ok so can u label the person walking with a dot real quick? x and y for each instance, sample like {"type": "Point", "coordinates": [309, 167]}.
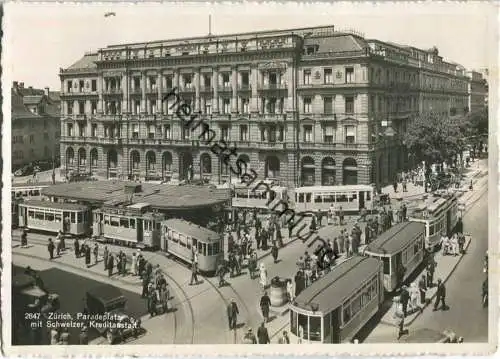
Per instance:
{"type": "Point", "coordinates": [24, 238]}
{"type": "Point", "coordinates": [405, 298]}
{"type": "Point", "coordinates": [87, 256]}
{"type": "Point", "coordinates": [422, 287]}
{"type": "Point", "coordinates": [284, 339]}
{"type": "Point", "coordinates": [134, 264]}
{"type": "Point", "coordinates": [105, 257]}
{"type": "Point", "coordinates": [265, 304]}
{"type": "Point", "coordinates": [341, 215]}
{"type": "Point", "coordinates": [274, 253]}
{"type": "Point", "coordinates": [431, 267]}
{"type": "Point", "coordinates": [111, 263]}
{"type": "Point", "coordinates": [65, 337]}
{"type": "Point", "coordinates": [399, 317]}
{"type": "Point", "coordinates": [342, 241]}
{"type": "Point", "coordinates": [263, 276]}
{"type": "Point", "coordinates": [290, 290]}
{"type": "Point", "coordinates": [58, 245]}
{"type": "Point", "coordinates": [96, 253]}
{"type": "Point", "coordinates": [83, 338]}
{"type": "Point", "coordinates": [335, 248]}
{"type": "Point", "coordinates": [395, 185]}
{"type": "Point", "coordinates": [194, 273]}
{"type": "Point", "coordinates": [440, 296]}
{"type": "Point", "coordinates": [232, 314]}
{"type": "Point", "coordinates": [249, 337]}
{"type": "Point", "coordinates": [461, 243]}
{"type": "Point", "coordinates": [348, 246]}
{"type": "Point", "coordinates": [50, 248]}
{"type": "Point", "coordinates": [263, 334]}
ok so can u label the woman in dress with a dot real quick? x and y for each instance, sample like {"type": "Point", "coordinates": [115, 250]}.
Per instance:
{"type": "Point", "coordinates": [134, 264]}
{"type": "Point", "coordinates": [263, 276]}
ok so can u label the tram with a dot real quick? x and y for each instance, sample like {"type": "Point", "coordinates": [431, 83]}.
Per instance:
{"type": "Point", "coordinates": [127, 224]}
{"type": "Point", "coordinates": [335, 307]}
{"type": "Point", "coordinates": [401, 249]}
{"type": "Point", "coordinates": [440, 216]}
{"type": "Point", "coordinates": [257, 196]}
{"type": "Point", "coordinates": [352, 198]}
{"type": "Point", "coordinates": [27, 191]}
{"type": "Point", "coordinates": [183, 239]}
{"type": "Point", "coordinates": [53, 217]}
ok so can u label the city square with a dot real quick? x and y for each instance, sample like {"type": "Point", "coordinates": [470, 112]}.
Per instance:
{"type": "Point", "coordinates": [306, 185]}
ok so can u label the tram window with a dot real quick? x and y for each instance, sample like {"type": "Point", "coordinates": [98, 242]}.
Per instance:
{"type": "Point", "coordinates": [85, 217]}
{"type": "Point", "coordinates": [36, 192]}
{"type": "Point", "coordinates": [431, 230]}
{"type": "Point", "coordinates": [73, 217]}
{"type": "Point", "coordinates": [353, 197]}
{"type": "Point", "coordinates": [315, 328]}
{"type": "Point", "coordinates": [216, 248]}
{"type": "Point", "coordinates": [114, 221]}
{"type": "Point", "coordinates": [80, 217]}
{"type": "Point", "coordinates": [40, 216]}
{"type": "Point", "coordinates": [204, 249]}
{"type": "Point", "coordinates": [416, 248]}
{"type": "Point", "coordinates": [106, 219]}
{"type": "Point", "coordinates": [308, 197]}
{"type": "Point", "coordinates": [58, 217]}
{"type": "Point", "coordinates": [132, 223]}
{"type": "Point", "coordinates": [49, 217]}
{"type": "Point", "coordinates": [328, 198]}
{"type": "Point", "coordinates": [355, 306]}
{"type": "Point", "coordinates": [373, 288]}
{"type": "Point", "coordinates": [293, 323]}
{"type": "Point", "coordinates": [368, 196]}
{"type": "Point", "coordinates": [124, 222]}
{"type": "Point", "coordinates": [301, 197]}
{"type": "Point", "coordinates": [209, 251]}
{"type": "Point", "coordinates": [346, 313]}
{"type": "Point", "coordinates": [327, 319]}
{"type": "Point", "coordinates": [31, 214]}
{"type": "Point", "coordinates": [182, 240]}
{"type": "Point", "coordinates": [387, 267]}
{"type": "Point", "coordinates": [158, 225]}
{"type": "Point", "coordinates": [302, 322]}
{"type": "Point", "coordinates": [341, 198]}
{"type": "Point", "coordinates": [318, 199]}
{"type": "Point", "coordinates": [200, 247]}
{"type": "Point", "coordinates": [188, 242]}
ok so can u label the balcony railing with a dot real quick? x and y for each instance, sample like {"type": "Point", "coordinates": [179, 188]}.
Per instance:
{"type": "Point", "coordinates": [225, 88]}
{"type": "Point", "coordinates": [74, 139]}
{"type": "Point", "coordinates": [245, 87]}
{"type": "Point", "coordinates": [135, 91]}
{"type": "Point", "coordinates": [273, 117]}
{"type": "Point", "coordinates": [152, 90]}
{"type": "Point", "coordinates": [272, 87]}
{"type": "Point", "coordinates": [110, 117]}
{"type": "Point", "coordinates": [78, 93]}
{"type": "Point", "coordinates": [112, 91]}
{"type": "Point", "coordinates": [109, 140]}
{"type": "Point", "coordinates": [187, 89]}
{"type": "Point", "coordinates": [206, 89]}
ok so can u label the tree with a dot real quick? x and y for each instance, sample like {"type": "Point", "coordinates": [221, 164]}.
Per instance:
{"type": "Point", "coordinates": [435, 138]}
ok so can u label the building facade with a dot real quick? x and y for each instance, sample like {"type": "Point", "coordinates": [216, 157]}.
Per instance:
{"type": "Point", "coordinates": [304, 106]}
{"type": "Point", "coordinates": [477, 92]}
{"type": "Point", "coordinates": [36, 125]}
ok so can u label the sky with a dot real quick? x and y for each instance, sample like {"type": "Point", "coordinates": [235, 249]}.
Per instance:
{"type": "Point", "coordinates": [39, 39]}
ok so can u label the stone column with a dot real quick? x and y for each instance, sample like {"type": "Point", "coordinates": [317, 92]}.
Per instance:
{"type": "Point", "coordinates": [125, 98]}
{"type": "Point", "coordinates": [234, 84]}
{"type": "Point", "coordinates": [159, 88]}
{"type": "Point", "coordinates": [291, 85]}
{"type": "Point", "coordinates": [143, 88]}
{"type": "Point", "coordinates": [215, 82]}
{"type": "Point", "coordinates": [197, 84]}
{"type": "Point", "coordinates": [254, 81]}
{"type": "Point", "coordinates": [176, 78]}
{"type": "Point", "coordinates": [100, 90]}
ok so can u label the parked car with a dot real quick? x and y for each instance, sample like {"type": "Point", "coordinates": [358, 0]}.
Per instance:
{"type": "Point", "coordinates": [109, 300]}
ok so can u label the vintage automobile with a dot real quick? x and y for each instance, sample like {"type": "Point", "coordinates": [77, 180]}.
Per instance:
{"type": "Point", "coordinates": [105, 308]}
{"type": "Point", "coordinates": [425, 335]}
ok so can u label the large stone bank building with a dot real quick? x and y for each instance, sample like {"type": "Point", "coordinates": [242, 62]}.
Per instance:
{"type": "Point", "coordinates": [309, 106]}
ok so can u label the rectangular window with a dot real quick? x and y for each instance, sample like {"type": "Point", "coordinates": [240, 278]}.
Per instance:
{"type": "Point", "coordinates": [350, 134]}
{"type": "Point", "coordinates": [244, 105]}
{"type": "Point", "coordinates": [207, 81]}
{"type": "Point", "coordinates": [327, 105]}
{"type": "Point", "coordinates": [32, 139]}
{"type": "Point", "coordinates": [328, 76]}
{"type": "Point", "coordinates": [349, 104]}
{"type": "Point", "coordinates": [226, 80]}
{"type": "Point", "coordinates": [245, 79]}
{"type": "Point", "coordinates": [135, 131]}
{"type": "Point", "coordinates": [168, 82]}
{"type": "Point", "coordinates": [69, 129]}
{"type": "Point", "coordinates": [151, 131]}
{"type": "Point", "coordinates": [307, 105]}
{"type": "Point", "coordinates": [167, 134]}
{"type": "Point", "coordinates": [69, 106]}
{"type": "Point", "coordinates": [73, 217]}
{"type": "Point", "coordinates": [224, 133]}
{"type": "Point", "coordinates": [307, 77]}
{"type": "Point", "coordinates": [208, 107]}
{"type": "Point", "coordinates": [226, 106]}
{"type": "Point", "coordinates": [271, 106]}
{"type": "Point", "coordinates": [94, 130]}
{"type": "Point", "coordinates": [81, 130]}
{"type": "Point", "coordinates": [243, 133]}
{"type": "Point", "coordinates": [94, 86]}
{"type": "Point", "coordinates": [349, 75]}
{"type": "Point", "coordinates": [328, 134]}
{"type": "Point", "coordinates": [187, 81]}
{"type": "Point", "coordinates": [308, 133]}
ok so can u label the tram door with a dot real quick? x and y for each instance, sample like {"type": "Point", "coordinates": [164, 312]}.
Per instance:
{"type": "Point", "coordinates": [448, 223]}
{"type": "Point", "coordinates": [66, 221]}
{"type": "Point", "coordinates": [23, 215]}
{"type": "Point", "coordinates": [361, 197]}
{"type": "Point", "coordinates": [335, 327]}
{"type": "Point", "coordinates": [398, 269]}
{"type": "Point", "coordinates": [140, 230]}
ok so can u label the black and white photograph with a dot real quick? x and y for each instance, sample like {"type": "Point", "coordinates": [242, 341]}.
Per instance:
{"type": "Point", "coordinates": [191, 173]}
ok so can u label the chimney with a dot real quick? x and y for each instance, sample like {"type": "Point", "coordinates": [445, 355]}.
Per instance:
{"type": "Point", "coordinates": [14, 85]}
{"type": "Point", "coordinates": [21, 85]}
{"type": "Point", "coordinates": [30, 87]}
{"type": "Point", "coordinates": [47, 91]}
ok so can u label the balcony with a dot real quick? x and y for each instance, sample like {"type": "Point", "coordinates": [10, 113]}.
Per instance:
{"type": "Point", "coordinates": [244, 87]}
{"type": "Point", "coordinates": [74, 139]}
{"type": "Point", "coordinates": [206, 89]}
{"type": "Point", "coordinates": [80, 117]}
{"type": "Point", "coordinates": [109, 141]}
{"type": "Point", "coordinates": [152, 91]}
{"type": "Point", "coordinates": [135, 91]}
{"type": "Point", "coordinates": [78, 94]}
{"type": "Point", "coordinates": [224, 88]}
{"type": "Point", "coordinates": [111, 117]}
{"type": "Point", "coordinates": [112, 91]}
{"type": "Point", "coordinates": [187, 89]}
{"type": "Point", "coordinates": [270, 145]}
{"type": "Point", "coordinates": [272, 87]}
{"type": "Point", "coordinates": [273, 117]}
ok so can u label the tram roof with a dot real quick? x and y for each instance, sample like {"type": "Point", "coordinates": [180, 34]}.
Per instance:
{"type": "Point", "coordinates": [361, 187]}
{"type": "Point", "coordinates": [54, 205]}
{"type": "Point", "coordinates": [30, 185]}
{"type": "Point", "coordinates": [330, 291]}
{"type": "Point", "coordinates": [161, 196]}
{"type": "Point", "coordinates": [192, 230]}
{"type": "Point", "coordinates": [395, 238]}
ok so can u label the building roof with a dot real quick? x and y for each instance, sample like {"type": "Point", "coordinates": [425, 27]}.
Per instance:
{"type": "Point", "coordinates": [86, 62]}
{"type": "Point", "coordinates": [396, 238]}
{"type": "Point", "coordinates": [32, 99]}
{"type": "Point", "coordinates": [192, 230]}
{"type": "Point", "coordinates": [159, 196]}
{"type": "Point", "coordinates": [18, 109]}
{"type": "Point", "coordinates": [330, 291]}
{"type": "Point", "coordinates": [54, 205]}
{"type": "Point", "coordinates": [337, 43]}
{"type": "Point", "coordinates": [21, 97]}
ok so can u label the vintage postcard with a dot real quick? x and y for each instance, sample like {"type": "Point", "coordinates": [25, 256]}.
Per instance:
{"type": "Point", "coordinates": [187, 178]}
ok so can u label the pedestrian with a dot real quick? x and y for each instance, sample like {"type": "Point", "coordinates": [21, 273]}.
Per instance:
{"type": "Point", "coordinates": [232, 314]}
{"type": "Point", "coordinates": [249, 337]}
{"type": "Point", "coordinates": [87, 256]}
{"type": "Point", "coordinates": [342, 241]}
{"type": "Point", "coordinates": [319, 215]}
{"type": "Point", "coordinates": [151, 300]}
{"type": "Point", "coordinates": [336, 248]}
{"type": "Point", "coordinates": [405, 299]}
{"type": "Point", "coordinates": [24, 238]}
{"type": "Point", "coordinates": [124, 263]}
{"type": "Point", "coordinates": [194, 273]}
{"type": "Point", "coordinates": [284, 339]}
{"type": "Point", "coordinates": [111, 263]}
{"type": "Point", "coordinates": [50, 247]}
{"type": "Point", "coordinates": [414, 295]}
{"type": "Point", "coordinates": [274, 252]}
{"type": "Point", "coordinates": [348, 246]}
{"type": "Point", "coordinates": [404, 210]}
{"type": "Point", "coordinates": [431, 267]}
{"type": "Point", "coordinates": [290, 290]}
{"type": "Point", "coordinates": [313, 225]}
{"type": "Point", "coordinates": [440, 295]}
{"type": "Point", "coordinates": [461, 243]}
{"type": "Point", "coordinates": [58, 245]}
{"type": "Point", "coordinates": [96, 253]}
{"type": "Point", "coordinates": [341, 215]}
{"type": "Point", "coordinates": [290, 227]}
{"type": "Point", "coordinates": [404, 185]}
{"type": "Point", "coordinates": [83, 338]}
{"type": "Point", "coordinates": [422, 287]}
{"type": "Point", "coordinates": [395, 185]}
{"type": "Point", "coordinates": [265, 304]}
{"type": "Point", "coordinates": [399, 317]}
{"type": "Point", "coordinates": [263, 334]}
{"type": "Point", "coordinates": [263, 276]}
{"type": "Point", "coordinates": [65, 337]}
{"type": "Point", "coordinates": [54, 336]}
{"type": "Point", "coordinates": [299, 282]}
{"type": "Point", "coordinates": [134, 264]}
{"type": "Point", "coordinates": [105, 257]}
{"type": "Point", "coordinates": [76, 245]}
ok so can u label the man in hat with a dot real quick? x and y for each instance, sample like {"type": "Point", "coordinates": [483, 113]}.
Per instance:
{"type": "Point", "coordinates": [265, 304]}
{"type": "Point", "coordinates": [405, 298]}
{"type": "Point", "coordinates": [83, 338]}
{"type": "Point", "coordinates": [249, 337]}
{"type": "Point", "coordinates": [263, 334]}
{"type": "Point", "coordinates": [232, 314]}
{"type": "Point", "coordinates": [422, 287]}
{"type": "Point", "coordinates": [440, 295]}
{"type": "Point", "coordinates": [284, 339]}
